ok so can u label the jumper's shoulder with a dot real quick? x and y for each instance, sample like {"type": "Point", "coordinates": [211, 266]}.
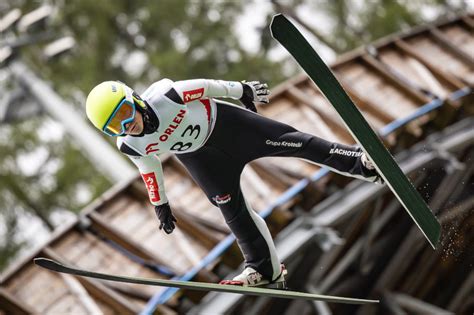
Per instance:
{"type": "Point", "coordinates": [155, 92]}
{"type": "Point", "coordinates": [126, 148]}
{"type": "Point", "coordinates": [159, 87]}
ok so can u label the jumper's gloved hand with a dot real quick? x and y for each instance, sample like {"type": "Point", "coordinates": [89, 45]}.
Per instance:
{"type": "Point", "coordinates": [254, 91]}
{"type": "Point", "coordinates": [167, 220]}
{"type": "Point", "coordinates": [369, 165]}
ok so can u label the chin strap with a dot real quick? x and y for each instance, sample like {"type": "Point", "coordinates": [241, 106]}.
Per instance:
{"type": "Point", "coordinates": [150, 120]}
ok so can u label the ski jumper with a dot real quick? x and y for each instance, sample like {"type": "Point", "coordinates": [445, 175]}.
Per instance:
{"type": "Point", "coordinates": [215, 140]}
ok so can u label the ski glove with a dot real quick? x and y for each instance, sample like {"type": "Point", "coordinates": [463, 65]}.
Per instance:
{"type": "Point", "coordinates": [369, 165]}
{"type": "Point", "coordinates": [167, 220]}
{"type": "Point", "coordinates": [254, 91]}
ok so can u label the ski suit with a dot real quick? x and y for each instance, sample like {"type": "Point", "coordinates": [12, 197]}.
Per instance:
{"type": "Point", "coordinates": [214, 140]}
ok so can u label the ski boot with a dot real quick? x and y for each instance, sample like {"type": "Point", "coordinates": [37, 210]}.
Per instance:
{"type": "Point", "coordinates": [252, 278]}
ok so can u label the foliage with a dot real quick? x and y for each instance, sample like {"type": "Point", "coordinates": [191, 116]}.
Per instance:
{"type": "Point", "coordinates": [353, 22]}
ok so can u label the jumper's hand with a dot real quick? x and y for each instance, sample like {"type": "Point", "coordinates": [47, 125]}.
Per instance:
{"type": "Point", "coordinates": [167, 220]}
{"type": "Point", "coordinates": [368, 164]}
{"type": "Point", "coordinates": [254, 92]}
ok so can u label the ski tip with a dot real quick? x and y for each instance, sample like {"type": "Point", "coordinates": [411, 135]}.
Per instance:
{"type": "Point", "coordinates": [45, 263]}
{"type": "Point", "coordinates": [276, 19]}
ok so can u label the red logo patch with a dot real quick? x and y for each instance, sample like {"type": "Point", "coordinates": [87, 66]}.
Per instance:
{"type": "Point", "coordinates": [152, 186]}
{"type": "Point", "coordinates": [222, 199]}
{"type": "Point", "coordinates": [192, 95]}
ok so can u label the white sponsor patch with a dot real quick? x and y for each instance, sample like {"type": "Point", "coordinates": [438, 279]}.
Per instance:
{"type": "Point", "coordinates": [284, 144]}
{"type": "Point", "coordinates": [345, 152]}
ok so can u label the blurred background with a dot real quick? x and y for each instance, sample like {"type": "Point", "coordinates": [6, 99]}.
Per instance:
{"type": "Point", "coordinates": [53, 52]}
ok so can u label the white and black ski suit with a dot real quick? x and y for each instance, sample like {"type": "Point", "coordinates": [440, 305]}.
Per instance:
{"type": "Point", "coordinates": [215, 140]}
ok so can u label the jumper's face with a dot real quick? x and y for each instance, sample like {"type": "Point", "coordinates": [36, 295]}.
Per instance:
{"type": "Point", "coordinates": [135, 127]}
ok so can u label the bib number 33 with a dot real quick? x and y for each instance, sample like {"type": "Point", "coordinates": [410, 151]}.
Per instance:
{"type": "Point", "coordinates": [190, 131]}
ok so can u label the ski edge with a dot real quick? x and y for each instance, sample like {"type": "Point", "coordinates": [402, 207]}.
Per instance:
{"type": "Point", "coordinates": [55, 266]}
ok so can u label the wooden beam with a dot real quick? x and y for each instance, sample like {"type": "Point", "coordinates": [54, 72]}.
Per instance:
{"type": "Point", "coordinates": [417, 306]}
{"type": "Point", "coordinates": [449, 184]}
{"type": "Point", "coordinates": [365, 261]}
{"type": "Point", "coordinates": [189, 219]}
{"type": "Point", "coordinates": [257, 184]}
{"type": "Point", "coordinates": [428, 78]}
{"type": "Point", "coordinates": [99, 223]}
{"type": "Point", "coordinates": [187, 223]}
{"type": "Point", "coordinates": [189, 252]}
{"type": "Point", "coordinates": [439, 37]}
{"type": "Point", "coordinates": [414, 93]}
{"type": "Point", "coordinates": [273, 173]}
{"type": "Point", "coordinates": [341, 266]}
{"type": "Point", "coordinates": [129, 291]}
{"type": "Point", "coordinates": [76, 288]}
{"type": "Point", "coordinates": [323, 130]}
{"type": "Point", "coordinates": [390, 304]}
{"type": "Point", "coordinates": [299, 96]}
{"type": "Point", "coordinates": [468, 21]}
{"type": "Point", "coordinates": [98, 290]}
{"type": "Point", "coordinates": [448, 78]}
{"type": "Point", "coordinates": [462, 294]}
{"type": "Point", "coordinates": [12, 305]}
{"type": "Point", "coordinates": [366, 104]}
{"type": "Point", "coordinates": [223, 229]}
{"type": "Point", "coordinates": [193, 257]}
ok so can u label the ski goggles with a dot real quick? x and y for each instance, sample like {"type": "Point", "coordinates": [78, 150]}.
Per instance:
{"type": "Point", "coordinates": [123, 114]}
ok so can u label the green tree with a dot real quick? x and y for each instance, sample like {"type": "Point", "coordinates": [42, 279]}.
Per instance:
{"type": "Point", "coordinates": [178, 39]}
{"type": "Point", "coordinates": [354, 23]}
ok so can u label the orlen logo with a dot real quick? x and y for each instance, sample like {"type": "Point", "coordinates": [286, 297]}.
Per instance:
{"type": "Point", "coordinates": [151, 148]}
{"type": "Point", "coordinates": [192, 95]}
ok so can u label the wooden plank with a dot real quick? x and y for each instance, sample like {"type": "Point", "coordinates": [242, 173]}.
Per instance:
{"type": "Point", "coordinates": [415, 94]}
{"type": "Point", "coordinates": [12, 305]}
{"type": "Point", "coordinates": [258, 185]}
{"type": "Point", "coordinates": [187, 223]}
{"type": "Point", "coordinates": [444, 41]}
{"type": "Point", "coordinates": [273, 174]}
{"type": "Point", "coordinates": [82, 295]}
{"type": "Point", "coordinates": [433, 68]}
{"type": "Point", "coordinates": [99, 223]}
{"type": "Point", "coordinates": [366, 104]}
{"type": "Point", "coordinates": [387, 96]}
{"type": "Point", "coordinates": [98, 290]}
{"type": "Point", "coordinates": [468, 21]}
{"type": "Point", "coordinates": [205, 223]}
{"type": "Point", "coordinates": [417, 306]}
{"type": "Point", "coordinates": [323, 130]}
{"type": "Point", "coordinates": [299, 96]}
{"type": "Point", "coordinates": [428, 78]}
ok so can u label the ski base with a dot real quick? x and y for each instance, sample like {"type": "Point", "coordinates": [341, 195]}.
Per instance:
{"type": "Point", "coordinates": [201, 286]}
{"type": "Point", "coordinates": [289, 37]}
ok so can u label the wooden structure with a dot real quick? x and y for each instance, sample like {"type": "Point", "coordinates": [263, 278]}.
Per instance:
{"type": "Point", "coordinates": [408, 86]}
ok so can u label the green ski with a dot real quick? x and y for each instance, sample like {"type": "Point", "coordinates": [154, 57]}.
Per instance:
{"type": "Point", "coordinates": [200, 286]}
{"type": "Point", "coordinates": [289, 36]}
